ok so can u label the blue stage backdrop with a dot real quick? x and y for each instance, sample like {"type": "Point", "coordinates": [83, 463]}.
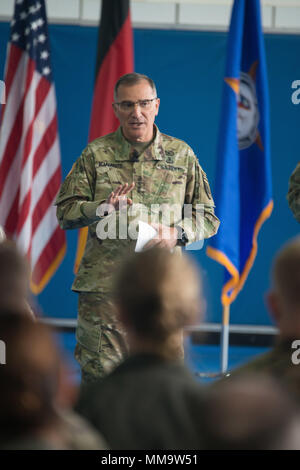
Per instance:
{"type": "Point", "coordinates": [188, 67]}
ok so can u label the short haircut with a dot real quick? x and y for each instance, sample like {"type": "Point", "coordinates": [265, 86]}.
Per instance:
{"type": "Point", "coordinates": [159, 293]}
{"type": "Point", "coordinates": [286, 273]}
{"type": "Point", "coordinates": [130, 79]}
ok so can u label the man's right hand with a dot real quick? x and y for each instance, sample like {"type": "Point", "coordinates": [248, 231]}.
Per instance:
{"type": "Point", "coordinates": [116, 200]}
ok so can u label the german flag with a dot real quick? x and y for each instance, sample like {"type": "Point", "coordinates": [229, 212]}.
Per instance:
{"type": "Point", "coordinates": [114, 59]}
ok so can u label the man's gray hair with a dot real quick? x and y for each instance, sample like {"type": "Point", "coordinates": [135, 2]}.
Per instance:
{"type": "Point", "coordinates": [130, 79]}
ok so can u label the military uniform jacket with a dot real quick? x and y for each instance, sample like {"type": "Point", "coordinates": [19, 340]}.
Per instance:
{"type": "Point", "coordinates": [146, 403]}
{"type": "Point", "coordinates": [166, 174]}
{"type": "Point", "coordinates": [277, 362]}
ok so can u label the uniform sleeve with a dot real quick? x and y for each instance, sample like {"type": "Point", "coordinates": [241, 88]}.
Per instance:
{"type": "Point", "coordinates": [293, 195]}
{"type": "Point", "coordinates": [199, 220]}
{"type": "Point", "coordinates": [75, 203]}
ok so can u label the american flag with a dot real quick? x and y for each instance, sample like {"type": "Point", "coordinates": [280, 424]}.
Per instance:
{"type": "Point", "coordinates": [30, 169]}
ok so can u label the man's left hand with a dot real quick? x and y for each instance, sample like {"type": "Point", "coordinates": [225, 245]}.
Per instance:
{"type": "Point", "coordinates": [166, 237]}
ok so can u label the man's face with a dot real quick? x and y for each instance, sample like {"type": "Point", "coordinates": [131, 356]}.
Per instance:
{"type": "Point", "coordinates": [136, 121]}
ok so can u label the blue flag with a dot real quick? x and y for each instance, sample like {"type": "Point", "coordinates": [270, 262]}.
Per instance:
{"type": "Point", "coordinates": [243, 190]}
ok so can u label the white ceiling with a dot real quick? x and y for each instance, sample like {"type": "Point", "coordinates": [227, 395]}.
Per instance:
{"type": "Point", "coordinates": [278, 15]}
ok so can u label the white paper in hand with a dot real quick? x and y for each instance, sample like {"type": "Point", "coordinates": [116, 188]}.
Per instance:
{"type": "Point", "coordinates": [2, 234]}
{"type": "Point", "coordinates": [146, 233]}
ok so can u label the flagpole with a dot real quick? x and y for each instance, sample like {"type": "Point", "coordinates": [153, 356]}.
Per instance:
{"type": "Point", "coordinates": [225, 339]}
{"type": "Point", "coordinates": [114, 59]}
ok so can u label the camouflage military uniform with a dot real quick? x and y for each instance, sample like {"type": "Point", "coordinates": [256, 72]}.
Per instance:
{"type": "Point", "coordinates": [167, 172]}
{"type": "Point", "coordinates": [278, 363]}
{"type": "Point", "coordinates": [294, 192]}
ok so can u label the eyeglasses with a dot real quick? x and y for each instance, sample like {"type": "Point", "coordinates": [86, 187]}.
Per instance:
{"type": "Point", "coordinates": [130, 105]}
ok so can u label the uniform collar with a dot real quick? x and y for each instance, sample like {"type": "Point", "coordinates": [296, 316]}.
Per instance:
{"type": "Point", "coordinates": [155, 151]}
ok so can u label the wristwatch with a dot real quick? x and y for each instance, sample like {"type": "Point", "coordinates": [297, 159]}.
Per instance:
{"type": "Point", "coordinates": [182, 236]}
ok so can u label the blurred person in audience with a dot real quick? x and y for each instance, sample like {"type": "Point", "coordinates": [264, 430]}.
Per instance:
{"type": "Point", "coordinates": [35, 395]}
{"type": "Point", "coordinates": [283, 302]}
{"type": "Point", "coordinates": [14, 278]}
{"type": "Point", "coordinates": [151, 401]}
{"type": "Point", "coordinates": [251, 412]}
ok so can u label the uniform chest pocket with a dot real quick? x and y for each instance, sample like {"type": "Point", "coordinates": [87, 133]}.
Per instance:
{"type": "Point", "coordinates": [168, 181]}
{"type": "Point", "coordinates": [107, 181]}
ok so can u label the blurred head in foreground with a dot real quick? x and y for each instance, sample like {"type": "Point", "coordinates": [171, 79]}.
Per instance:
{"type": "Point", "coordinates": [14, 278]}
{"type": "Point", "coordinates": [157, 294]}
{"type": "Point", "coordinates": [251, 413]}
{"type": "Point", "coordinates": [29, 378]}
{"type": "Point", "coordinates": [36, 393]}
{"type": "Point", "coordinates": [284, 298]}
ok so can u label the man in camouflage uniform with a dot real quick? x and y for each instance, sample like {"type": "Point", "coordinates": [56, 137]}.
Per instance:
{"type": "Point", "coordinates": [294, 192]}
{"type": "Point", "coordinates": [164, 171]}
{"type": "Point", "coordinates": [284, 305]}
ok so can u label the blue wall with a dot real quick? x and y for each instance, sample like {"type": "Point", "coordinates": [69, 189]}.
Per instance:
{"type": "Point", "coordinates": [188, 69]}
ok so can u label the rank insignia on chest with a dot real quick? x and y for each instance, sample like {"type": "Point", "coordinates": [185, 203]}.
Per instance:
{"type": "Point", "coordinates": [169, 155]}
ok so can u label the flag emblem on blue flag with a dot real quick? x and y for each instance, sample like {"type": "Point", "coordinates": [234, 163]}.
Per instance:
{"type": "Point", "coordinates": [243, 190]}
